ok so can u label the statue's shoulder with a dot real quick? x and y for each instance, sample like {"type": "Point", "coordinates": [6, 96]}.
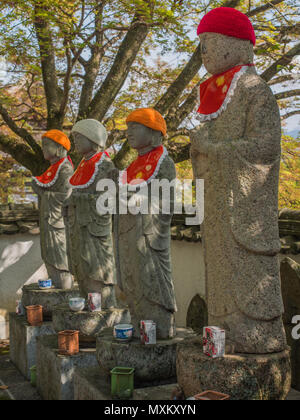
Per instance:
{"type": "Point", "coordinates": [66, 169]}
{"type": "Point", "coordinates": [104, 170]}
{"type": "Point", "coordinates": [106, 166]}
{"type": "Point", "coordinates": [108, 163]}
{"type": "Point", "coordinates": [252, 84]}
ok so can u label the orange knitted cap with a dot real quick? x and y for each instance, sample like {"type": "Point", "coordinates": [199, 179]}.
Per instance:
{"type": "Point", "coordinates": [59, 137]}
{"type": "Point", "coordinates": [150, 118]}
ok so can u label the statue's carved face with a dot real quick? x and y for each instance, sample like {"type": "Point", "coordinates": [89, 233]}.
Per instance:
{"type": "Point", "coordinates": [221, 52]}
{"type": "Point", "coordinates": [50, 148]}
{"type": "Point", "coordinates": [140, 137]}
{"type": "Point", "coordinates": [82, 144]}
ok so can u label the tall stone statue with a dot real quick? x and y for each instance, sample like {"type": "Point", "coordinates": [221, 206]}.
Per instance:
{"type": "Point", "coordinates": [143, 240]}
{"type": "Point", "coordinates": [53, 189]}
{"type": "Point", "coordinates": [237, 152]}
{"type": "Point", "coordinates": [90, 247]}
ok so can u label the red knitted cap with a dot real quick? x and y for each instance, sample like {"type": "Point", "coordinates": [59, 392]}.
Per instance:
{"type": "Point", "coordinates": [227, 21]}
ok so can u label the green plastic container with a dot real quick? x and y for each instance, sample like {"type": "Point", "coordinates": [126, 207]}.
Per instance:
{"type": "Point", "coordinates": [122, 382]}
{"type": "Point", "coordinates": [33, 376]}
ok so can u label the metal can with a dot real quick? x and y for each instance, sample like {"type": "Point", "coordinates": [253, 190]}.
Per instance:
{"type": "Point", "coordinates": [20, 310]}
{"type": "Point", "coordinates": [94, 302]}
{"type": "Point", "coordinates": [148, 332]}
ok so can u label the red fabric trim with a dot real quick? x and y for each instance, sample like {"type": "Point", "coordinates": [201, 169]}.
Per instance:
{"type": "Point", "coordinates": [143, 167]}
{"type": "Point", "coordinates": [85, 170]}
{"type": "Point", "coordinates": [70, 160]}
{"type": "Point", "coordinates": [214, 90]}
{"type": "Point", "coordinates": [49, 175]}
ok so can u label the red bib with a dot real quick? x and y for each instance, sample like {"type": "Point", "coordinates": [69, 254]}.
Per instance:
{"type": "Point", "coordinates": [144, 168]}
{"type": "Point", "coordinates": [217, 91]}
{"type": "Point", "coordinates": [87, 170]}
{"type": "Point", "coordinates": [48, 178]}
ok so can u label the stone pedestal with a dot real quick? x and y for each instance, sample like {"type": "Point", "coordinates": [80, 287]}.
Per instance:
{"type": "Point", "coordinates": [33, 295]}
{"type": "Point", "coordinates": [91, 385]}
{"type": "Point", "coordinates": [23, 342]}
{"type": "Point", "coordinates": [243, 376]}
{"type": "Point", "coordinates": [55, 373]}
{"type": "Point", "coordinates": [89, 324]}
{"type": "Point", "coordinates": [154, 364]}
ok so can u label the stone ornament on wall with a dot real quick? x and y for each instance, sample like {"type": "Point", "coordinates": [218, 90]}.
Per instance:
{"type": "Point", "coordinates": [53, 189]}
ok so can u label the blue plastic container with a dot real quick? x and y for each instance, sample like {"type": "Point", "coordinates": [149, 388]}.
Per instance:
{"type": "Point", "coordinates": [45, 284]}
{"type": "Point", "coordinates": [123, 332]}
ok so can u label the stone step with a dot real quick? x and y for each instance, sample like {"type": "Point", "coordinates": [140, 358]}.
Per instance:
{"type": "Point", "coordinates": [93, 385]}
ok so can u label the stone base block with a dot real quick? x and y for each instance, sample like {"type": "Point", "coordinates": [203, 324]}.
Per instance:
{"type": "Point", "coordinates": [242, 376]}
{"type": "Point", "coordinates": [154, 364]}
{"type": "Point", "coordinates": [91, 385]}
{"type": "Point", "coordinates": [33, 295]}
{"type": "Point", "coordinates": [55, 373]}
{"type": "Point", "coordinates": [89, 324]}
{"type": "Point", "coordinates": [23, 342]}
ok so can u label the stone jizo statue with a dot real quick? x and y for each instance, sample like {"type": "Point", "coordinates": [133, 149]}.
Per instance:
{"type": "Point", "coordinates": [90, 247]}
{"type": "Point", "coordinates": [143, 240]}
{"type": "Point", "coordinates": [53, 189]}
{"type": "Point", "coordinates": [237, 151]}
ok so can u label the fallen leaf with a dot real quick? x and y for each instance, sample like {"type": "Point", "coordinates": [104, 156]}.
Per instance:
{"type": "Point", "coordinates": [3, 388]}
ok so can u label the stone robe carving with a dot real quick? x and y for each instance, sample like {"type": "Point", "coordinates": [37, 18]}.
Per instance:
{"type": "Point", "coordinates": [89, 234]}
{"type": "Point", "coordinates": [238, 155]}
{"type": "Point", "coordinates": [144, 261]}
{"type": "Point", "coordinates": [52, 226]}
{"type": "Point", "coordinates": [90, 245]}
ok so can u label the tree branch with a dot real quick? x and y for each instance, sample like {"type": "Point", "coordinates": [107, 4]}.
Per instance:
{"type": "Point", "coordinates": [67, 84]}
{"type": "Point", "coordinates": [174, 92]}
{"type": "Point", "coordinates": [290, 114]}
{"type": "Point", "coordinates": [125, 156]}
{"type": "Point", "coordinates": [118, 73]}
{"type": "Point", "coordinates": [179, 154]}
{"type": "Point", "coordinates": [174, 119]}
{"type": "Point", "coordinates": [92, 66]}
{"type": "Point", "coordinates": [286, 59]}
{"type": "Point", "coordinates": [24, 134]}
{"type": "Point", "coordinates": [23, 154]}
{"type": "Point", "coordinates": [231, 3]}
{"type": "Point", "coordinates": [281, 79]}
{"type": "Point", "coordinates": [191, 69]}
{"type": "Point", "coordinates": [263, 8]}
{"type": "Point", "coordinates": [47, 54]}
{"type": "Point", "coordinates": [287, 94]}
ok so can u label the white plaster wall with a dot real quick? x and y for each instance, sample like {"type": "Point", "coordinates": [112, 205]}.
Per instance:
{"type": "Point", "coordinates": [188, 275]}
{"type": "Point", "coordinates": [20, 264]}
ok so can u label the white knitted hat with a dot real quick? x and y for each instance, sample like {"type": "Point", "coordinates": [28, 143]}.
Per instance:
{"type": "Point", "coordinates": [93, 130]}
